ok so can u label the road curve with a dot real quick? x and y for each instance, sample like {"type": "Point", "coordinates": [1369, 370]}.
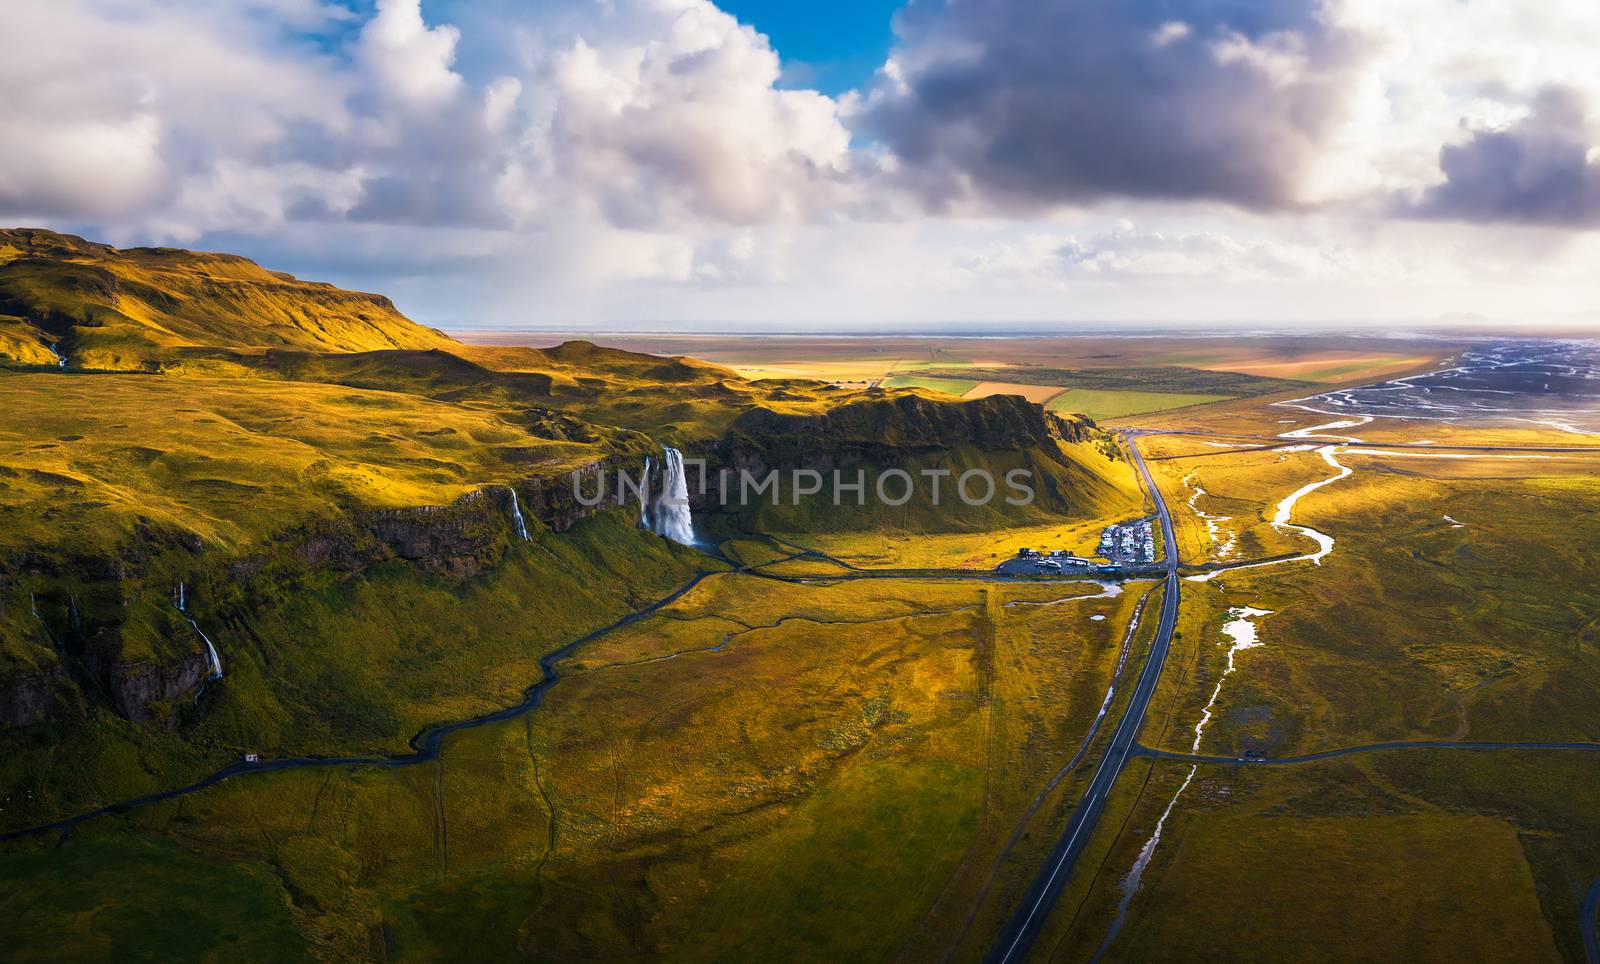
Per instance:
{"type": "Point", "coordinates": [426, 745]}
{"type": "Point", "coordinates": [1022, 929]}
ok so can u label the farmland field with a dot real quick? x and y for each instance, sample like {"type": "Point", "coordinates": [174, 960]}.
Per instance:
{"type": "Point", "coordinates": [1101, 403]}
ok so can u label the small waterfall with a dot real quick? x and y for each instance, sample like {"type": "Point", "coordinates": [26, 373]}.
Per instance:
{"type": "Point", "coordinates": [33, 607]}
{"type": "Point", "coordinates": [212, 658]}
{"type": "Point", "coordinates": [671, 508]}
{"type": "Point", "coordinates": [211, 651]}
{"type": "Point", "coordinates": [61, 361]}
{"type": "Point", "coordinates": [178, 599]}
{"type": "Point", "coordinates": [516, 514]}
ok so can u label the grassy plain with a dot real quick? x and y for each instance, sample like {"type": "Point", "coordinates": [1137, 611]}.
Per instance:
{"type": "Point", "coordinates": [1478, 626]}
{"type": "Point", "coordinates": [735, 759]}
{"type": "Point", "coordinates": [1416, 626]}
{"type": "Point", "coordinates": [1039, 394]}
{"type": "Point", "coordinates": [1335, 882]}
{"type": "Point", "coordinates": [1437, 851]}
{"type": "Point", "coordinates": [1109, 404]}
{"type": "Point", "coordinates": [949, 386]}
{"type": "Point", "coordinates": [1327, 359]}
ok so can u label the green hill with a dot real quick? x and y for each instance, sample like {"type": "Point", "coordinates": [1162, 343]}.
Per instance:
{"type": "Point", "coordinates": [140, 308]}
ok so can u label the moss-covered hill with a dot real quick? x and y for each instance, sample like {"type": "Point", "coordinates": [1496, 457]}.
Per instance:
{"type": "Point", "coordinates": [336, 489]}
{"type": "Point", "coordinates": [96, 306]}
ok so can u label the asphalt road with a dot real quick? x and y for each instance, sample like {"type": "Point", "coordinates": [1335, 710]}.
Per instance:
{"type": "Point", "coordinates": [1016, 939]}
{"type": "Point", "coordinates": [1591, 927]}
{"type": "Point", "coordinates": [426, 745]}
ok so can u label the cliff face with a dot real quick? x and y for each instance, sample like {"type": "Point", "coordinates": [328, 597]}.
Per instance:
{"type": "Point", "coordinates": [454, 542]}
{"type": "Point", "coordinates": [925, 438]}
{"type": "Point", "coordinates": [907, 423]}
{"type": "Point", "coordinates": [137, 688]}
{"type": "Point", "coordinates": [36, 696]}
{"type": "Point", "coordinates": [877, 432]}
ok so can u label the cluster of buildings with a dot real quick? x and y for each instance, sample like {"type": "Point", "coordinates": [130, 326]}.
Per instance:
{"type": "Point", "coordinates": [1131, 543]}
{"type": "Point", "coordinates": [1122, 545]}
{"type": "Point", "coordinates": [1058, 560]}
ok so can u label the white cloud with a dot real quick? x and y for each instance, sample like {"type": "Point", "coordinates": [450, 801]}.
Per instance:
{"type": "Point", "coordinates": [1128, 252]}
{"type": "Point", "coordinates": [553, 161]}
{"type": "Point", "coordinates": [111, 108]}
{"type": "Point", "coordinates": [409, 61]}
{"type": "Point", "coordinates": [688, 123]}
{"type": "Point", "coordinates": [635, 114]}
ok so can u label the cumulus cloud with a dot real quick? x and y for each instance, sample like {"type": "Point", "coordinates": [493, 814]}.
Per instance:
{"type": "Point", "coordinates": [688, 121]}
{"type": "Point", "coordinates": [1031, 103]}
{"type": "Point", "coordinates": [112, 110]}
{"type": "Point", "coordinates": [410, 61]}
{"type": "Point", "coordinates": [177, 118]}
{"type": "Point", "coordinates": [474, 148]}
{"type": "Point", "coordinates": [1543, 169]}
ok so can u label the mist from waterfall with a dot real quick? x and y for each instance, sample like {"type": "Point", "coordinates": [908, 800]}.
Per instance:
{"type": "Point", "coordinates": [668, 514]}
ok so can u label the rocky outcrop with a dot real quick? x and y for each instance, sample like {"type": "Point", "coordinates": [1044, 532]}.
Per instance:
{"type": "Point", "coordinates": [137, 688]}
{"type": "Point", "coordinates": [887, 431]}
{"type": "Point", "coordinates": [554, 500]}
{"type": "Point", "coordinates": [909, 422]}
{"type": "Point", "coordinates": [35, 696]}
{"type": "Point", "coordinates": [456, 540]}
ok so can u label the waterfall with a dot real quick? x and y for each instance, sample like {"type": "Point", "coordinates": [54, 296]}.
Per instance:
{"type": "Point", "coordinates": [33, 607]}
{"type": "Point", "coordinates": [516, 514]}
{"type": "Point", "coordinates": [211, 651]}
{"type": "Point", "coordinates": [671, 509]}
{"type": "Point", "coordinates": [644, 495]}
{"type": "Point", "coordinates": [61, 361]}
{"type": "Point", "coordinates": [212, 658]}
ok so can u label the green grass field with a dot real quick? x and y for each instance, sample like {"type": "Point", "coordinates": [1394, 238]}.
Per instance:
{"type": "Point", "coordinates": [813, 768]}
{"type": "Point", "coordinates": [950, 386]}
{"type": "Point", "coordinates": [1300, 888]}
{"type": "Point", "coordinates": [144, 898]}
{"type": "Point", "coordinates": [1104, 404]}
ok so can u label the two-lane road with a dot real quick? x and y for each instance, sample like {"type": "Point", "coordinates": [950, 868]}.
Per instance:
{"type": "Point", "coordinates": [1023, 928]}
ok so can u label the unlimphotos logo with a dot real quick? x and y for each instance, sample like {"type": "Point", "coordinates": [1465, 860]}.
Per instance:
{"type": "Point", "coordinates": [841, 487]}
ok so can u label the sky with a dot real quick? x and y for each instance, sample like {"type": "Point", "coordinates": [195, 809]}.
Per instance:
{"type": "Point", "coordinates": [866, 165]}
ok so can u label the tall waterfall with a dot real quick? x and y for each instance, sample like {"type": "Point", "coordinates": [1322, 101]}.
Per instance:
{"type": "Point", "coordinates": [516, 514]}
{"type": "Point", "coordinates": [644, 496]}
{"type": "Point", "coordinates": [669, 515]}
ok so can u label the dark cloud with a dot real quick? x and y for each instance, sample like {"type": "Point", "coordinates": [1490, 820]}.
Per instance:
{"type": "Point", "coordinates": [1538, 171]}
{"type": "Point", "coordinates": [1042, 102]}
